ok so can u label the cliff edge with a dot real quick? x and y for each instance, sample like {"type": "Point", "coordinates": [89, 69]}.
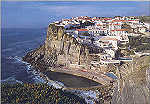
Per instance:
{"type": "Point", "coordinates": [60, 49]}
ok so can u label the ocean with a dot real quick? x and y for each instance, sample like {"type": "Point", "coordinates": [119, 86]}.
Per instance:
{"type": "Point", "coordinates": [22, 31]}
{"type": "Point", "coordinates": [16, 42]}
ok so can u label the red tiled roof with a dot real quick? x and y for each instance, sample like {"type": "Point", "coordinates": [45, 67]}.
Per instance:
{"type": "Point", "coordinates": [81, 29]}
{"type": "Point", "coordinates": [66, 20]}
{"type": "Point", "coordinates": [103, 29]}
{"type": "Point", "coordinates": [107, 18]}
{"type": "Point", "coordinates": [103, 19]}
{"type": "Point", "coordinates": [108, 38]}
{"type": "Point", "coordinates": [119, 21]}
{"type": "Point", "coordinates": [99, 25]}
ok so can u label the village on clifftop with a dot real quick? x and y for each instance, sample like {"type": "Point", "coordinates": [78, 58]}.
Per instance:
{"type": "Point", "coordinates": [105, 33]}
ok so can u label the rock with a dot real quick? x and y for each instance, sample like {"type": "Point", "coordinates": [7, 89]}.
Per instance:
{"type": "Point", "coordinates": [57, 45]}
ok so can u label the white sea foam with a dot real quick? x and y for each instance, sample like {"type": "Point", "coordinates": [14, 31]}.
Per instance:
{"type": "Point", "coordinates": [39, 79]}
{"type": "Point", "coordinates": [19, 59]}
{"type": "Point", "coordinates": [11, 80]}
{"type": "Point", "coordinates": [89, 96]}
{"type": "Point", "coordinates": [60, 83]}
{"type": "Point", "coordinates": [37, 76]}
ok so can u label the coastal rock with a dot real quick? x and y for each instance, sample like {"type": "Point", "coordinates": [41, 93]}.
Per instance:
{"type": "Point", "coordinates": [59, 49]}
{"type": "Point", "coordinates": [133, 86]}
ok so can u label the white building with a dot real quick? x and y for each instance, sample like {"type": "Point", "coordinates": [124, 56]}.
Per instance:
{"type": "Point", "coordinates": [119, 32]}
{"type": "Point", "coordinates": [134, 21]}
{"type": "Point", "coordinates": [81, 31]}
{"type": "Point", "coordinates": [147, 25]}
{"type": "Point", "coordinates": [142, 29]}
{"type": "Point", "coordinates": [114, 26]}
{"type": "Point", "coordinates": [108, 42]}
{"type": "Point", "coordinates": [65, 21]}
{"type": "Point", "coordinates": [124, 39]}
{"type": "Point", "coordinates": [119, 21]}
{"type": "Point", "coordinates": [110, 52]}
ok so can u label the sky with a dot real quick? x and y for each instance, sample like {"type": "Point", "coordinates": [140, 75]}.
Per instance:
{"type": "Point", "coordinates": [38, 14]}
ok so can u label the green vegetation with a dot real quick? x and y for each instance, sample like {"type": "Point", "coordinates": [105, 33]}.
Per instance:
{"type": "Point", "coordinates": [139, 43]}
{"type": "Point", "coordinates": [36, 94]}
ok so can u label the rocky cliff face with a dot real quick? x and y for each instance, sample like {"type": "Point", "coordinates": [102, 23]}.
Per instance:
{"type": "Point", "coordinates": [133, 85]}
{"type": "Point", "coordinates": [59, 49]}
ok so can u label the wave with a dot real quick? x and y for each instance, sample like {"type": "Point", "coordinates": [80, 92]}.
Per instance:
{"type": "Point", "coordinates": [89, 96]}
{"type": "Point", "coordinates": [19, 60]}
{"type": "Point", "coordinates": [11, 80]}
{"type": "Point", "coordinates": [37, 76]}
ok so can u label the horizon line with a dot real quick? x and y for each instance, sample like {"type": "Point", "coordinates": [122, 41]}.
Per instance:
{"type": "Point", "coordinates": [77, 0]}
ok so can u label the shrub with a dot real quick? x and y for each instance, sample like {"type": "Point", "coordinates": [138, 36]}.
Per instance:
{"type": "Point", "coordinates": [37, 94]}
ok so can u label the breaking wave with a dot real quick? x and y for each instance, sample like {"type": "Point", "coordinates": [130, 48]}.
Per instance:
{"type": "Point", "coordinates": [36, 76]}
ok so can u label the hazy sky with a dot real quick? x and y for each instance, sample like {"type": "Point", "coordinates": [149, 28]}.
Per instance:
{"type": "Point", "coordinates": [39, 14]}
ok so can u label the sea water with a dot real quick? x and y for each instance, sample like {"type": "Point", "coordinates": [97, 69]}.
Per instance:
{"type": "Point", "coordinates": [15, 44]}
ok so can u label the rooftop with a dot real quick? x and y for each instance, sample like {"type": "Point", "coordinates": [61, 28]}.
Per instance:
{"type": "Point", "coordinates": [81, 29]}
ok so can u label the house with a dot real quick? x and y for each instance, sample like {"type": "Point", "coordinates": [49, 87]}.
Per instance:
{"type": "Point", "coordinates": [119, 32]}
{"type": "Point", "coordinates": [105, 61]}
{"type": "Point", "coordinates": [80, 32]}
{"type": "Point", "coordinates": [97, 31]}
{"type": "Point", "coordinates": [65, 21]}
{"type": "Point", "coordinates": [113, 26]}
{"type": "Point", "coordinates": [111, 52]}
{"type": "Point", "coordinates": [142, 29]}
{"type": "Point", "coordinates": [108, 42]}
{"type": "Point", "coordinates": [124, 39]}
{"type": "Point", "coordinates": [147, 25]}
{"type": "Point", "coordinates": [134, 21]}
{"type": "Point", "coordinates": [118, 17]}
{"type": "Point", "coordinates": [68, 25]}
{"type": "Point", "coordinates": [105, 57]}
{"type": "Point", "coordinates": [119, 21]}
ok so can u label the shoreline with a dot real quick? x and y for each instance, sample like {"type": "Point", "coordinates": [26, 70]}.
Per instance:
{"type": "Point", "coordinates": [48, 79]}
{"type": "Point", "coordinates": [98, 77]}
{"type": "Point", "coordinates": [70, 80]}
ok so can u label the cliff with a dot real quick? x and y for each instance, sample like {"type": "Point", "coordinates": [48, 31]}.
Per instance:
{"type": "Point", "coordinates": [59, 49]}
{"type": "Point", "coordinates": [133, 85]}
